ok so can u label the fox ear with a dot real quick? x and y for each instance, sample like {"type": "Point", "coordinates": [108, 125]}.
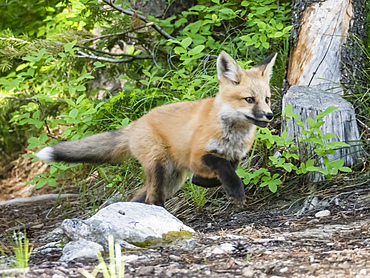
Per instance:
{"type": "Point", "coordinates": [228, 69]}
{"type": "Point", "coordinates": [265, 67]}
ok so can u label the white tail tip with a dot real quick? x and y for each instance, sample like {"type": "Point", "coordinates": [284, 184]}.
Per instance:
{"type": "Point", "coordinates": [45, 154]}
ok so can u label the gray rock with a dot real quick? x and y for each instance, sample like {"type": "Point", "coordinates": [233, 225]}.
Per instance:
{"type": "Point", "coordinates": [145, 270]}
{"type": "Point", "coordinates": [128, 222]}
{"type": "Point", "coordinates": [323, 213]}
{"type": "Point", "coordinates": [224, 248]}
{"type": "Point", "coordinates": [247, 272]}
{"type": "Point", "coordinates": [48, 248]}
{"type": "Point", "coordinates": [82, 249]}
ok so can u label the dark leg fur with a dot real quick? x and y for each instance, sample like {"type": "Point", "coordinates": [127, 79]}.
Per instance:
{"type": "Point", "coordinates": [139, 197]}
{"type": "Point", "coordinates": [226, 173]}
{"type": "Point", "coordinates": [155, 185]}
{"type": "Point", "coordinates": [207, 183]}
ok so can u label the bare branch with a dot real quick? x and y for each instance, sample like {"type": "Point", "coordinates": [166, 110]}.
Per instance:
{"type": "Point", "coordinates": [143, 18]}
{"type": "Point", "coordinates": [15, 39]}
{"type": "Point", "coordinates": [105, 53]}
{"type": "Point", "coordinates": [91, 55]}
{"type": "Point", "coordinates": [117, 34]}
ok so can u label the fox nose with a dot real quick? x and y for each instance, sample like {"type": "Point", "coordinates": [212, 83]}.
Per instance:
{"type": "Point", "coordinates": [269, 116]}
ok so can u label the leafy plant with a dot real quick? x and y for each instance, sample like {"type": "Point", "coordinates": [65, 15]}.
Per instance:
{"type": "Point", "coordinates": [116, 267]}
{"type": "Point", "coordinates": [289, 157]}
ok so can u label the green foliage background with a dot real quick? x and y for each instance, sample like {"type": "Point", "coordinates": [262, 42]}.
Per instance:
{"type": "Point", "coordinates": [53, 55]}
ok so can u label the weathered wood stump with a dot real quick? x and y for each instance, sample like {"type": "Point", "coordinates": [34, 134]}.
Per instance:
{"type": "Point", "coordinates": [310, 101]}
{"type": "Point", "coordinates": [325, 43]}
{"type": "Point", "coordinates": [325, 52]}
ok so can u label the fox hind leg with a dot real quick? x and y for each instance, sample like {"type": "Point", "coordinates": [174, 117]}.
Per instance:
{"type": "Point", "coordinates": [163, 180]}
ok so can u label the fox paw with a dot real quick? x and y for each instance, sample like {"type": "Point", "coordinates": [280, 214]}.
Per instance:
{"type": "Point", "coordinates": [236, 196]}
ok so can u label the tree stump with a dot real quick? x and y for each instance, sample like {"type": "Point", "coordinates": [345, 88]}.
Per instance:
{"type": "Point", "coordinates": [325, 43]}
{"type": "Point", "coordinates": [310, 101]}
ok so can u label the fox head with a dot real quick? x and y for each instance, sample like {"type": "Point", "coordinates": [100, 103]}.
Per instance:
{"type": "Point", "coordinates": [244, 95]}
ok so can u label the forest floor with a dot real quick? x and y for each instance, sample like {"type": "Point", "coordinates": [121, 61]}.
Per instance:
{"type": "Point", "coordinates": [271, 239]}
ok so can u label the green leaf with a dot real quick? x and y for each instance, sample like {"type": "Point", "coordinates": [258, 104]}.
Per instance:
{"type": "Point", "coordinates": [327, 111]}
{"type": "Point", "coordinates": [338, 163]}
{"type": "Point", "coordinates": [130, 50]}
{"type": "Point", "coordinates": [69, 47]}
{"type": "Point", "coordinates": [73, 113]}
{"type": "Point", "coordinates": [345, 169]}
{"type": "Point", "coordinates": [288, 110]}
{"type": "Point", "coordinates": [52, 182]}
{"type": "Point", "coordinates": [98, 64]}
{"type": "Point", "coordinates": [186, 42]}
{"type": "Point", "coordinates": [80, 98]}
{"type": "Point", "coordinates": [328, 136]}
{"type": "Point", "coordinates": [22, 66]}
{"type": "Point", "coordinates": [310, 121]}
{"type": "Point", "coordinates": [279, 26]}
{"type": "Point", "coordinates": [70, 102]}
{"type": "Point", "coordinates": [278, 34]}
{"type": "Point", "coordinates": [33, 143]}
{"type": "Point", "coordinates": [125, 122]}
{"type": "Point", "coordinates": [196, 50]}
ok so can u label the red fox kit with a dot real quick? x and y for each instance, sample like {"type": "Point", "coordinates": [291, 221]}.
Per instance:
{"type": "Point", "coordinates": [207, 137]}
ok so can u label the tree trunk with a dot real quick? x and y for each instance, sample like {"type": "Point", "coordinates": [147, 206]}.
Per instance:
{"type": "Point", "coordinates": [325, 56]}
{"type": "Point", "coordinates": [324, 48]}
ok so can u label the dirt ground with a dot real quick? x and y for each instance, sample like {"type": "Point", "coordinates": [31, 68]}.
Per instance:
{"type": "Point", "coordinates": [271, 239]}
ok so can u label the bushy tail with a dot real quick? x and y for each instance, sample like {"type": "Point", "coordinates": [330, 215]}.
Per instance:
{"type": "Point", "coordinates": [107, 147]}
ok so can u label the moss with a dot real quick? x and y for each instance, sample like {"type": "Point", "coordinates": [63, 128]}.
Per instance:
{"type": "Point", "coordinates": [166, 239]}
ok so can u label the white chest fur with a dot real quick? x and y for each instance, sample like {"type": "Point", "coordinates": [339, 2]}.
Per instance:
{"type": "Point", "coordinates": [236, 133]}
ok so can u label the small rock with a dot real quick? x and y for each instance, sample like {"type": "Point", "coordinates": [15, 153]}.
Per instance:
{"type": "Point", "coordinates": [49, 248]}
{"type": "Point", "coordinates": [284, 269]}
{"type": "Point", "coordinates": [323, 213]}
{"type": "Point", "coordinates": [247, 272]}
{"type": "Point", "coordinates": [82, 249]}
{"type": "Point", "coordinates": [130, 258]}
{"type": "Point", "coordinates": [220, 249]}
{"type": "Point", "coordinates": [363, 271]}
{"type": "Point", "coordinates": [209, 225]}
{"type": "Point", "coordinates": [145, 270]}
{"type": "Point", "coordinates": [313, 221]}
{"type": "Point", "coordinates": [366, 242]}
{"type": "Point", "coordinates": [174, 258]}
{"type": "Point", "coordinates": [58, 276]}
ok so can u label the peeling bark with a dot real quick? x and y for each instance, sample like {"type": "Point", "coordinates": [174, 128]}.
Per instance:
{"type": "Point", "coordinates": [322, 40]}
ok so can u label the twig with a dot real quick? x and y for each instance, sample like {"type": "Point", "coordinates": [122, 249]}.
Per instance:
{"type": "Point", "coordinates": [143, 18]}
{"type": "Point", "coordinates": [107, 53]}
{"type": "Point", "coordinates": [43, 116]}
{"type": "Point", "coordinates": [349, 192]}
{"type": "Point", "coordinates": [14, 39]}
{"type": "Point", "coordinates": [117, 34]}
{"type": "Point", "coordinates": [363, 124]}
{"type": "Point", "coordinates": [93, 56]}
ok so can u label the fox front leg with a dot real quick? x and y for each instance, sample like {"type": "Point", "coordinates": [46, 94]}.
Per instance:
{"type": "Point", "coordinates": [210, 182]}
{"type": "Point", "coordinates": [225, 171]}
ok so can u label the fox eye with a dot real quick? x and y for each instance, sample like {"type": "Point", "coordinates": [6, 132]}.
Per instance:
{"type": "Point", "coordinates": [250, 99]}
{"type": "Point", "coordinates": [267, 99]}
